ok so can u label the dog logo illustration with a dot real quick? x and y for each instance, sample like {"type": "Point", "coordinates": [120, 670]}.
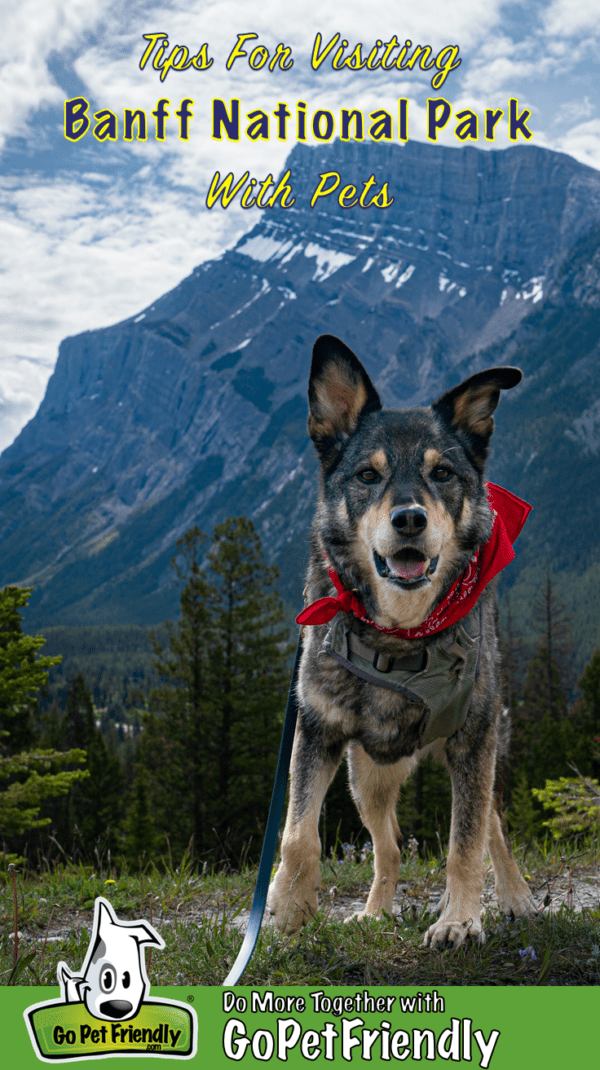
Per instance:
{"type": "Point", "coordinates": [113, 980]}
{"type": "Point", "coordinates": [104, 1009]}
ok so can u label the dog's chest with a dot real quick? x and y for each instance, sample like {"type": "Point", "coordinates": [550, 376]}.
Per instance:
{"type": "Point", "coordinates": [391, 707]}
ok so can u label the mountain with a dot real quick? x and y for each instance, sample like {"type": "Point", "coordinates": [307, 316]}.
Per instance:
{"type": "Point", "coordinates": [194, 410]}
{"type": "Point", "coordinates": [553, 428]}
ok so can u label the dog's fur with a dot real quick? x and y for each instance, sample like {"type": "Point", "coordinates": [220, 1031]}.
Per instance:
{"type": "Point", "coordinates": [372, 463]}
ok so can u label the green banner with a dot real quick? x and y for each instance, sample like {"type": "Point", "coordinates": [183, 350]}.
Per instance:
{"type": "Point", "coordinates": [503, 1028]}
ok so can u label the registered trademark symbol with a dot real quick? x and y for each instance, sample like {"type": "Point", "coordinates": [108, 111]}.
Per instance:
{"type": "Point", "coordinates": [190, 998]}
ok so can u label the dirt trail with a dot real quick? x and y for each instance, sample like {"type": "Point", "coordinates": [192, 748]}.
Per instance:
{"type": "Point", "coordinates": [580, 891]}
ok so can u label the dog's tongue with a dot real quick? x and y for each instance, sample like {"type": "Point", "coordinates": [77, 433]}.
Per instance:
{"type": "Point", "coordinates": [406, 570]}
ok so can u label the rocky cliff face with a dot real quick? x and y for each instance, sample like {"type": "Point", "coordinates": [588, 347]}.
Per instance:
{"type": "Point", "coordinates": [195, 409]}
{"type": "Point", "coordinates": [548, 448]}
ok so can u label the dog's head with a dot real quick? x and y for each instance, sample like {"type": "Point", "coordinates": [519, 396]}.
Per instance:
{"type": "Point", "coordinates": [403, 504]}
{"type": "Point", "coordinates": [113, 981]}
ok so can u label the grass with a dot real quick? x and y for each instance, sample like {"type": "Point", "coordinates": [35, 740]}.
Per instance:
{"type": "Point", "coordinates": [195, 915]}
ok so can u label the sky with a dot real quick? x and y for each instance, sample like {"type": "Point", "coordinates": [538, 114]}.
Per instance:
{"type": "Point", "coordinates": [91, 231]}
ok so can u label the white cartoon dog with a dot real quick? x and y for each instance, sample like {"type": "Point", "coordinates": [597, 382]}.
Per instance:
{"type": "Point", "coordinates": [113, 979]}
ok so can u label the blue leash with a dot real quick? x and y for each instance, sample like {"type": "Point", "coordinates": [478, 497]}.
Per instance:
{"type": "Point", "coordinates": [270, 841]}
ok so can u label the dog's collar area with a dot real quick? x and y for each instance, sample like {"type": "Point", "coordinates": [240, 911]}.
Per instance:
{"type": "Point", "coordinates": [510, 514]}
{"type": "Point", "coordinates": [384, 662]}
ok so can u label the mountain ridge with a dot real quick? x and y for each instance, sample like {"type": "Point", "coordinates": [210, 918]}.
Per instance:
{"type": "Point", "coordinates": [195, 408]}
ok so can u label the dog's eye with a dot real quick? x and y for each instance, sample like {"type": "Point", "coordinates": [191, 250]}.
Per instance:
{"type": "Point", "coordinates": [126, 979]}
{"type": "Point", "coordinates": [108, 978]}
{"type": "Point", "coordinates": [368, 475]}
{"type": "Point", "coordinates": [441, 475]}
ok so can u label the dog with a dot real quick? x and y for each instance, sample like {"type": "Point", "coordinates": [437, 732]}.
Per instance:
{"type": "Point", "coordinates": [400, 654]}
{"type": "Point", "coordinates": [113, 980]}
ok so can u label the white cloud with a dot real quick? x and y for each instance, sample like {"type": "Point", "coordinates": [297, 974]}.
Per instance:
{"type": "Point", "coordinates": [30, 32]}
{"type": "Point", "coordinates": [582, 142]}
{"type": "Point", "coordinates": [572, 111]}
{"type": "Point", "coordinates": [21, 389]}
{"type": "Point", "coordinates": [99, 245]}
{"type": "Point", "coordinates": [93, 255]}
{"type": "Point", "coordinates": [571, 18]}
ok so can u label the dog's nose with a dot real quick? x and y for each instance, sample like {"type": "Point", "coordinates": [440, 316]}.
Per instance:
{"type": "Point", "coordinates": [409, 520]}
{"type": "Point", "coordinates": [116, 1008]}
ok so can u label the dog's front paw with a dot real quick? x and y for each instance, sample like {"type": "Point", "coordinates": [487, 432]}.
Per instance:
{"type": "Point", "coordinates": [292, 899]}
{"type": "Point", "coordinates": [447, 933]}
{"type": "Point", "coordinates": [517, 901]}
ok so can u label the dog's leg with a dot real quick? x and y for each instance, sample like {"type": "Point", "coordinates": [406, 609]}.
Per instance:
{"type": "Point", "coordinates": [375, 789]}
{"type": "Point", "coordinates": [293, 892]}
{"type": "Point", "coordinates": [514, 894]}
{"type": "Point", "coordinates": [471, 765]}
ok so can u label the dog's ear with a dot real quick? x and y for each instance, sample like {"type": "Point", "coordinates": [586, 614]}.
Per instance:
{"type": "Point", "coordinates": [339, 393]}
{"type": "Point", "coordinates": [469, 407]}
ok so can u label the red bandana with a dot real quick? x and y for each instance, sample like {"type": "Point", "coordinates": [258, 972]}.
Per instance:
{"type": "Point", "coordinates": [510, 514]}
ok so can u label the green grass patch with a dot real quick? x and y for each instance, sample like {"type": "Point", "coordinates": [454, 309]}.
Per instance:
{"type": "Point", "coordinates": [197, 914]}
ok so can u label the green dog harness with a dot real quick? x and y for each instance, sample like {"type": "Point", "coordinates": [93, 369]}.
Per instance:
{"type": "Point", "coordinates": [441, 677]}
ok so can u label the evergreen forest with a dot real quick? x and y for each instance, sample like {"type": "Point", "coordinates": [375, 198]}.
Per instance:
{"type": "Point", "coordinates": [121, 747]}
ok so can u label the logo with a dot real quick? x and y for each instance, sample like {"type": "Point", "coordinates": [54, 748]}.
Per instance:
{"type": "Point", "coordinates": [105, 1010]}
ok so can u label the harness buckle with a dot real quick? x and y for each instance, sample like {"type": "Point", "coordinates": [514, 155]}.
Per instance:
{"type": "Point", "coordinates": [382, 662]}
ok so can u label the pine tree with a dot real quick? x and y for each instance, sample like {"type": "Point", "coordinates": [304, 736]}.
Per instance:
{"type": "Point", "coordinates": [97, 804]}
{"type": "Point", "coordinates": [543, 734]}
{"type": "Point", "coordinates": [211, 735]}
{"type": "Point", "coordinates": [89, 819]}
{"type": "Point", "coordinates": [513, 661]}
{"type": "Point", "coordinates": [590, 688]}
{"type": "Point", "coordinates": [139, 831]}
{"type": "Point", "coordinates": [78, 725]}
{"type": "Point", "coordinates": [543, 693]}
{"type": "Point", "coordinates": [584, 723]}
{"type": "Point", "coordinates": [555, 652]}
{"type": "Point", "coordinates": [568, 788]}
{"type": "Point", "coordinates": [251, 678]}
{"type": "Point", "coordinates": [33, 775]}
{"type": "Point", "coordinates": [177, 748]}
{"type": "Point", "coordinates": [587, 727]}
{"type": "Point", "coordinates": [22, 674]}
